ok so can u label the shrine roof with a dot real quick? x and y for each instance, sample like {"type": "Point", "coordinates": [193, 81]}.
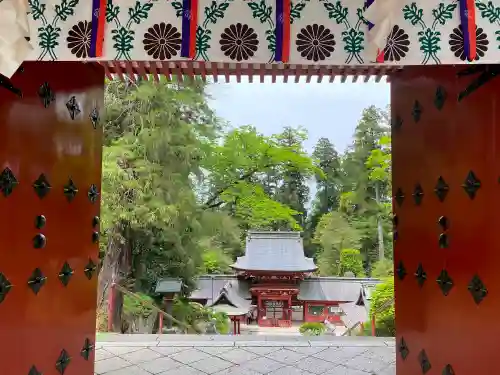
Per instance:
{"type": "Point", "coordinates": [210, 286]}
{"type": "Point", "coordinates": [344, 289]}
{"type": "Point", "coordinates": [168, 286]}
{"type": "Point", "coordinates": [274, 251]}
{"type": "Point", "coordinates": [230, 295]}
{"type": "Point", "coordinates": [359, 310]}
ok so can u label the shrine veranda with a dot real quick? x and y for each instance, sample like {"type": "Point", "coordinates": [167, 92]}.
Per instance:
{"type": "Point", "coordinates": [445, 129]}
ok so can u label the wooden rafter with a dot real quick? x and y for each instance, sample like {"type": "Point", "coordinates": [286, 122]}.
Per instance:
{"type": "Point", "coordinates": [189, 69]}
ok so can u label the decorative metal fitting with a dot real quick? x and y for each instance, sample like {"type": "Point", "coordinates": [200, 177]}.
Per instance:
{"type": "Point", "coordinates": [41, 186]}
{"type": "Point", "coordinates": [441, 189]}
{"type": "Point", "coordinates": [445, 282]}
{"type": "Point", "coordinates": [7, 182]}
{"type": "Point", "coordinates": [477, 289]}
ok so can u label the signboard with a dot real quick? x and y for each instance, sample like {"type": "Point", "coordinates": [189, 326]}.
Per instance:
{"type": "Point", "coordinates": [272, 304]}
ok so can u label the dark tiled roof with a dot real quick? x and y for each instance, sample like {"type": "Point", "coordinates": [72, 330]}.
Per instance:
{"type": "Point", "coordinates": [344, 289]}
{"type": "Point", "coordinates": [210, 286]}
{"type": "Point", "coordinates": [168, 286]}
{"type": "Point", "coordinates": [274, 251]}
{"type": "Point", "coordinates": [353, 314]}
{"type": "Point", "coordinates": [230, 295]}
{"type": "Point", "coordinates": [359, 310]}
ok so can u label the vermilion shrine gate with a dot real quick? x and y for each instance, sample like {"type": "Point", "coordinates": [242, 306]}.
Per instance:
{"type": "Point", "coordinates": [445, 153]}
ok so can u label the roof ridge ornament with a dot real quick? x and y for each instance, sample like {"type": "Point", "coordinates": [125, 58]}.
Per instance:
{"type": "Point", "coordinates": [15, 44]}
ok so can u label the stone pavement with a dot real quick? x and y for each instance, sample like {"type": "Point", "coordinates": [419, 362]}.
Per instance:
{"type": "Point", "coordinates": [243, 355]}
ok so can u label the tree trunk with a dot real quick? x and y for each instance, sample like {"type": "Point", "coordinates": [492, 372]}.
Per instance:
{"type": "Point", "coordinates": [115, 266]}
{"type": "Point", "coordinates": [116, 314]}
{"type": "Point", "coordinates": [380, 231]}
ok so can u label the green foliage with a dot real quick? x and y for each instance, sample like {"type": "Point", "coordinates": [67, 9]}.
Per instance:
{"type": "Point", "coordinates": [379, 162]}
{"type": "Point", "coordinates": [222, 323]}
{"type": "Point", "coordinates": [383, 269]}
{"type": "Point", "coordinates": [366, 200]}
{"type": "Point", "coordinates": [181, 188]}
{"type": "Point", "coordinates": [333, 234]}
{"type": "Point", "coordinates": [351, 261]}
{"type": "Point", "coordinates": [193, 313]}
{"type": "Point", "coordinates": [215, 262]}
{"type": "Point", "coordinates": [190, 312]}
{"type": "Point", "coordinates": [312, 329]}
{"type": "Point", "coordinates": [150, 164]}
{"type": "Point", "coordinates": [329, 183]}
{"type": "Point", "coordinates": [134, 307]}
{"type": "Point", "coordinates": [380, 330]}
{"type": "Point", "coordinates": [382, 305]}
{"type": "Point", "coordinates": [238, 168]}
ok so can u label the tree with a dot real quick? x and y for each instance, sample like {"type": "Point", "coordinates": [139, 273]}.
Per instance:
{"type": "Point", "coordinates": [329, 185]}
{"type": "Point", "coordinates": [379, 165]}
{"type": "Point", "coordinates": [155, 137]}
{"type": "Point", "coordinates": [333, 234]}
{"type": "Point", "coordinates": [382, 305]}
{"type": "Point", "coordinates": [382, 269]}
{"type": "Point", "coordinates": [236, 172]}
{"type": "Point", "coordinates": [363, 197]}
{"type": "Point", "coordinates": [293, 190]}
{"type": "Point", "coordinates": [351, 261]}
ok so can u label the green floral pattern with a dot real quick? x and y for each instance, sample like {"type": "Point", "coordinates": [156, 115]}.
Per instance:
{"type": "Point", "coordinates": [430, 37]}
{"type": "Point", "coordinates": [49, 30]}
{"type": "Point", "coordinates": [123, 33]}
{"type": "Point", "coordinates": [424, 30]}
{"type": "Point", "coordinates": [490, 12]}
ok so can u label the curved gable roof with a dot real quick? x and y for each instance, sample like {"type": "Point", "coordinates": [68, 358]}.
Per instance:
{"type": "Point", "coordinates": [229, 296]}
{"type": "Point", "coordinates": [274, 251]}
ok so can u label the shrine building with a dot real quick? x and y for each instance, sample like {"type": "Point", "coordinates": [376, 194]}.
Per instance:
{"type": "Point", "coordinates": [275, 283]}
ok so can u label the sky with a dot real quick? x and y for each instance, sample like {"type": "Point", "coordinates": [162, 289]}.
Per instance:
{"type": "Point", "coordinates": [325, 109]}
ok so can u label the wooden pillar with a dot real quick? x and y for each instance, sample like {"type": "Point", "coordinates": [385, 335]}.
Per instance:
{"type": "Point", "coordinates": [111, 306]}
{"type": "Point", "coordinates": [446, 167]}
{"type": "Point", "coordinates": [168, 301]}
{"type": "Point", "coordinates": [374, 325]}
{"type": "Point", "coordinates": [50, 173]}
{"type": "Point", "coordinates": [259, 308]}
{"type": "Point", "coordinates": [160, 323]}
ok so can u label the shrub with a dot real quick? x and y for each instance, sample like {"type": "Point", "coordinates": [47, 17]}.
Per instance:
{"type": "Point", "coordinates": [351, 261]}
{"type": "Point", "coordinates": [193, 313]}
{"type": "Point", "coordinates": [383, 268]}
{"type": "Point", "coordinates": [221, 323]}
{"type": "Point", "coordinates": [312, 329]}
{"type": "Point", "coordinates": [385, 319]}
{"type": "Point", "coordinates": [134, 308]}
{"type": "Point", "coordinates": [381, 329]}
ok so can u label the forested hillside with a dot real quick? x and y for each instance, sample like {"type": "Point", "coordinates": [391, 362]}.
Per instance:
{"type": "Point", "coordinates": [181, 187]}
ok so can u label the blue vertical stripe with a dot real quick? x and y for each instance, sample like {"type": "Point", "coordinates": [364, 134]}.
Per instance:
{"type": "Point", "coordinates": [278, 54]}
{"type": "Point", "coordinates": [186, 27]}
{"type": "Point", "coordinates": [465, 26]}
{"type": "Point", "coordinates": [96, 5]}
{"type": "Point", "coordinates": [367, 5]}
